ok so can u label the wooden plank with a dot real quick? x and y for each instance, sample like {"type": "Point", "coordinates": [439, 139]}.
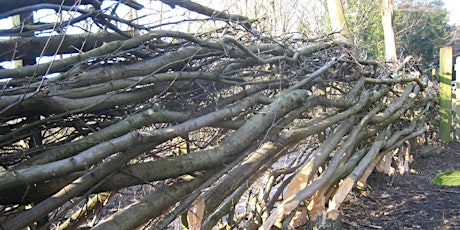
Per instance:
{"type": "Point", "coordinates": [457, 99]}
{"type": "Point", "coordinates": [445, 80]}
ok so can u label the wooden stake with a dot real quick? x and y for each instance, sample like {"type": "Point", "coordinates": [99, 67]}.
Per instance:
{"type": "Point", "coordinates": [445, 80]}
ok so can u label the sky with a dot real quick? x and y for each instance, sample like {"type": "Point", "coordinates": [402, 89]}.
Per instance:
{"type": "Point", "coordinates": [453, 6]}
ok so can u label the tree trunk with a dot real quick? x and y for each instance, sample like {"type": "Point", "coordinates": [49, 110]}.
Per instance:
{"type": "Point", "coordinates": [388, 31]}
{"type": "Point", "coordinates": [338, 23]}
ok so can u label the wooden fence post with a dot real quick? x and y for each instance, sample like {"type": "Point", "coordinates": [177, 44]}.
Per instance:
{"type": "Point", "coordinates": [457, 99]}
{"type": "Point", "coordinates": [445, 102]}
{"type": "Point", "coordinates": [21, 21]}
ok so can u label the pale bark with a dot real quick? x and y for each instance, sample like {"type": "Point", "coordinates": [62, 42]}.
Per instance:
{"type": "Point", "coordinates": [339, 24]}
{"type": "Point", "coordinates": [151, 205]}
{"type": "Point", "coordinates": [84, 214]}
{"type": "Point", "coordinates": [388, 31]}
{"type": "Point", "coordinates": [198, 8]}
{"type": "Point", "coordinates": [78, 187]}
{"type": "Point", "coordinates": [12, 5]}
{"type": "Point", "coordinates": [288, 205]}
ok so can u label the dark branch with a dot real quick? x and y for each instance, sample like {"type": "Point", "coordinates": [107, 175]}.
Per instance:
{"type": "Point", "coordinates": [8, 5]}
{"type": "Point", "coordinates": [16, 48]}
{"type": "Point", "coordinates": [195, 7]}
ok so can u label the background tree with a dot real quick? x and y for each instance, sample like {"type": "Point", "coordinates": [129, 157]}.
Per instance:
{"type": "Point", "coordinates": [421, 29]}
{"type": "Point", "coordinates": [365, 20]}
{"type": "Point", "coordinates": [388, 31]}
{"type": "Point", "coordinates": [338, 23]}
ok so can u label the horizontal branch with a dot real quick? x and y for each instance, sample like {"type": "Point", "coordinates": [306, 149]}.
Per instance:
{"type": "Point", "coordinates": [106, 48]}
{"type": "Point", "coordinates": [9, 6]}
{"type": "Point", "coordinates": [79, 187]}
{"type": "Point", "coordinates": [55, 169]}
{"type": "Point", "coordinates": [48, 105]}
{"type": "Point", "coordinates": [149, 116]}
{"type": "Point", "coordinates": [16, 48]}
{"type": "Point", "coordinates": [198, 8]}
{"type": "Point", "coordinates": [396, 81]}
{"type": "Point", "coordinates": [152, 205]}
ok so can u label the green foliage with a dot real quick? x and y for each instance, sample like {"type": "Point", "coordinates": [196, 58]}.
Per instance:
{"type": "Point", "coordinates": [421, 29]}
{"type": "Point", "coordinates": [365, 20]}
{"type": "Point", "coordinates": [449, 178]}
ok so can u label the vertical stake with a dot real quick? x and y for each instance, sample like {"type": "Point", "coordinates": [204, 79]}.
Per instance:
{"type": "Point", "coordinates": [457, 99]}
{"type": "Point", "coordinates": [445, 102]}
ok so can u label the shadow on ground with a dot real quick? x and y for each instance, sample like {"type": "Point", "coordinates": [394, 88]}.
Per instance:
{"type": "Point", "coordinates": [408, 201]}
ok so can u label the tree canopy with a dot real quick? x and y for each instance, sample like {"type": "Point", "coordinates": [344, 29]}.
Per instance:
{"type": "Point", "coordinates": [421, 28]}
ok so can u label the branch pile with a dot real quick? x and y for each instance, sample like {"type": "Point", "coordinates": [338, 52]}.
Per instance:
{"type": "Point", "coordinates": [227, 125]}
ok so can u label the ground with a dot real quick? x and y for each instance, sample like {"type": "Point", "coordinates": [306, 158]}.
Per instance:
{"type": "Point", "coordinates": [408, 201]}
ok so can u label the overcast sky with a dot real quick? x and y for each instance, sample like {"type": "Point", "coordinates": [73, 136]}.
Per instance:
{"type": "Point", "coordinates": [453, 6]}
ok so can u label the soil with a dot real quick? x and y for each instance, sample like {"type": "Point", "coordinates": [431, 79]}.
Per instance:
{"type": "Point", "coordinates": [408, 201]}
